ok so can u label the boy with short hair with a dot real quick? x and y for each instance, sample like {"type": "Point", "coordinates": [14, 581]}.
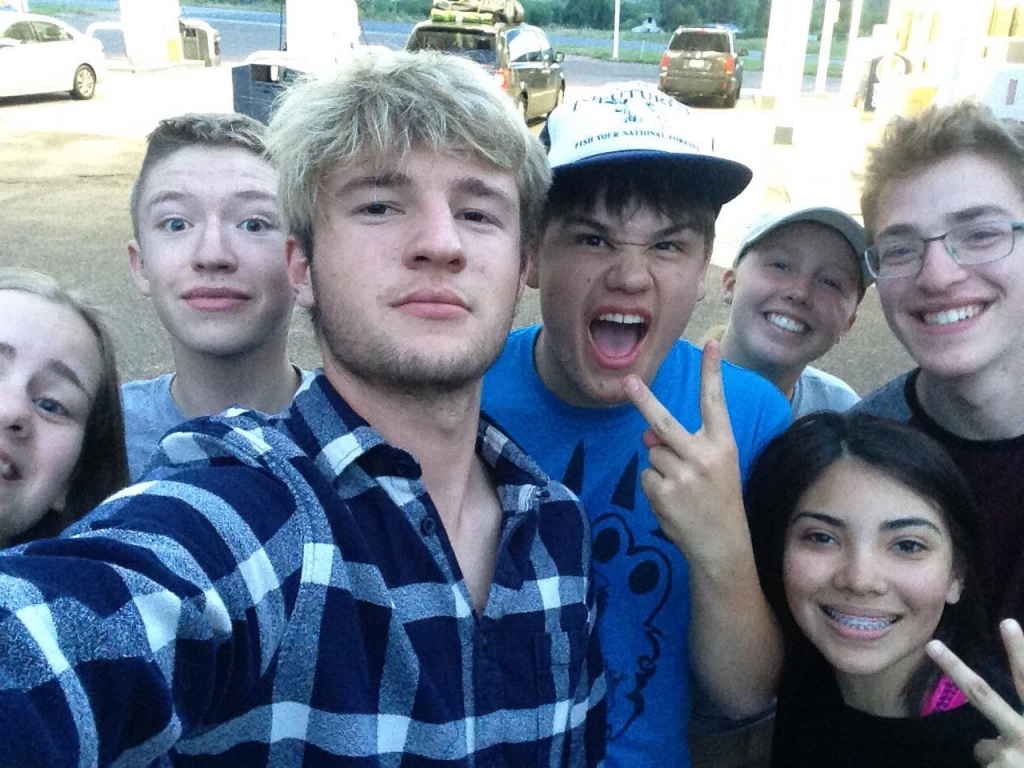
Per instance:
{"type": "Point", "coordinates": [208, 249]}
{"type": "Point", "coordinates": [943, 202]}
{"type": "Point", "coordinates": [794, 289]}
{"type": "Point", "coordinates": [380, 577]}
{"type": "Point", "coordinates": [620, 259]}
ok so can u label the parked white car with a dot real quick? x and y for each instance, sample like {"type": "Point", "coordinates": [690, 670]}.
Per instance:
{"type": "Point", "coordinates": [40, 54]}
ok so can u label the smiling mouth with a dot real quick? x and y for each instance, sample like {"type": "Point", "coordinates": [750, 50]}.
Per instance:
{"type": "Point", "coordinates": [617, 335]}
{"type": "Point", "coordinates": [785, 323]}
{"type": "Point", "coordinates": [947, 316]}
{"type": "Point", "coordinates": [860, 623]}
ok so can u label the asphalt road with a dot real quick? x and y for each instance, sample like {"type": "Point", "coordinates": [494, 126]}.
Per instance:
{"type": "Point", "coordinates": [243, 32]}
{"type": "Point", "coordinates": [66, 170]}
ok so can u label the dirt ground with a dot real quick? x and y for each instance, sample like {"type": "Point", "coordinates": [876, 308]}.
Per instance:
{"type": "Point", "coordinates": [66, 170]}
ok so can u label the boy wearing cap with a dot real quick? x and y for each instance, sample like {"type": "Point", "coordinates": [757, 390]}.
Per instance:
{"type": "Point", "coordinates": [620, 260]}
{"type": "Point", "coordinates": [794, 290]}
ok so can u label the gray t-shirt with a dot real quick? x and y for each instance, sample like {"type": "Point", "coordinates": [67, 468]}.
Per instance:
{"type": "Point", "coordinates": [889, 401]}
{"type": "Point", "coordinates": [150, 412]}
{"type": "Point", "coordinates": [816, 390]}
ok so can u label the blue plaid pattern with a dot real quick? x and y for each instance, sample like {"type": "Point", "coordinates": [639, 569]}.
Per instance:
{"type": "Point", "coordinates": [281, 592]}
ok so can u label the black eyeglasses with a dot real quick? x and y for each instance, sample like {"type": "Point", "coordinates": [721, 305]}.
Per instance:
{"type": "Point", "coordinates": [896, 256]}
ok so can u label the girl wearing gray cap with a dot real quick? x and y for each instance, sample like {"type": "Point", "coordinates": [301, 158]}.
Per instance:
{"type": "Point", "coordinates": [794, 290]}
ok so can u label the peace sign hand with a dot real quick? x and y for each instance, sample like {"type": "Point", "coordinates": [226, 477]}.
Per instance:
{"type": "Point", "coordinates": [1007, 751]}
{"type": "Point", "coordinates": [693, 482]}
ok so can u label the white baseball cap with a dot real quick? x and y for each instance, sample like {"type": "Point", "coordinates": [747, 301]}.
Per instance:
{"type": "Point", "coordinates": [629, 121]}
{"type": "Point", "coordinates": [833, 218]}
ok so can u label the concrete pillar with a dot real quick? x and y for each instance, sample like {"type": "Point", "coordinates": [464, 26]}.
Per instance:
{"type": "Point", "coordinates": [785, 53]}
{"type": "Point", "coordinates": [321, 32]}
{"type": "Point", "coordinates": [955, 57]}
{"type": "Point", "coordinates": [851, 65]}
{"type": "Point", "coordinates": [152, 38]}
{"type": "Point", "coordinates": [825, 48]}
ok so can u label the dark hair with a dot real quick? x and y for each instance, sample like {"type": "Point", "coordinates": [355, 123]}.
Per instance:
{"type": "Point", "coordinates": [102, 466]}
{"type": "Point", "coordinates": [797, 458]}
{"type": "Point", "coordinates": [619, 184]}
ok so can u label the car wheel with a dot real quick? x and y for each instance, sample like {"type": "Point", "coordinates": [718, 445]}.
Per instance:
{"type": "Point", "coordinates": [85, 83]}
{"type": "Point", "coordinates": [729, 100]}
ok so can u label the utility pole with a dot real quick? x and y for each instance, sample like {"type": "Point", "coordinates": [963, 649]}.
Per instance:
{"type": "Point", "coordinates": [615, 30]}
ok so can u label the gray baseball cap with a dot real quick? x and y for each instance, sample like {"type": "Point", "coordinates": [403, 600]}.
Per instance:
{"type": "Point", "coordinates": [833, 218]}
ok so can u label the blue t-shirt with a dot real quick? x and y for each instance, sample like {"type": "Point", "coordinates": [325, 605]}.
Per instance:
{"type": "Point", "coordinates": [642, 578]}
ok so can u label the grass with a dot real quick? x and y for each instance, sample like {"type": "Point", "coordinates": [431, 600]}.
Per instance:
{"type": "Point", "coordinates": [59, 9]}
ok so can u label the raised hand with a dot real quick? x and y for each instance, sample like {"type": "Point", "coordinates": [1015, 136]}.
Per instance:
{"type": "Point", "coordinates": [1007, 751]}
{"type": "Point", "coordinates": [693, 482]}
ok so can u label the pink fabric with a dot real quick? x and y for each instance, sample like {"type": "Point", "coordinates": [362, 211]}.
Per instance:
{"type": "Point", "coordinates": [944, 697]}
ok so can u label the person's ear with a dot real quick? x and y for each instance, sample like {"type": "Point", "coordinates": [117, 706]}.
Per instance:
{"type": "Point", "coordinates": [853, 319]}
{"type": "Point", "coordinates": [729, 285]}
{"type": "Point", "coordinates": [532, 262]}
{"type": "Point", "coordinates": [299, 271]}
{"type": "Point", "coordinates": [137, 268]}
{"type": "Point", "coordinates": [956, 588]}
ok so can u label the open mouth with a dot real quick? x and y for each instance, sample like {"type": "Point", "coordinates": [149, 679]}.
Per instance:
{"type": "Point", "coordinates": [785, 323]}
{"type": "Point", "coordinates": [860, 623]}
{"type": "Point", "coordinates": [947, 316]}
{"type": "Point", "coordinates": [617, 337]}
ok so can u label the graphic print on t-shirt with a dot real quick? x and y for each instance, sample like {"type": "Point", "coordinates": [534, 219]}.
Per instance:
{"type": "Point", "coordinates": [627, 573]}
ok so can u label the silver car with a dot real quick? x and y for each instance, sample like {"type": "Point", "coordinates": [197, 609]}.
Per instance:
{"type": "Point", "coordinates": [519, 55]}
{"type": "Point", "coordinates": [40, 54]}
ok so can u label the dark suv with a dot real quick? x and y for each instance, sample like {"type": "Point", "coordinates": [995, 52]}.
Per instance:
{"type": "Point", "coordinates": [519, 55]}
{"type": "Point", "coordinates": [702, 62]}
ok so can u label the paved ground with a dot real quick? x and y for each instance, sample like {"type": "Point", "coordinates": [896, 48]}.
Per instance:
{"type": "Point", "coordinates": [66, 170]}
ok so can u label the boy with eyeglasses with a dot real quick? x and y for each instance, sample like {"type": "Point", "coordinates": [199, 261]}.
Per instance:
{"type": "Point", "coordinates": [943, 204]}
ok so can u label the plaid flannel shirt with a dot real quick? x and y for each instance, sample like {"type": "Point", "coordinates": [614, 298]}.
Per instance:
{"type": "Point", "coordinates": [281, 592]}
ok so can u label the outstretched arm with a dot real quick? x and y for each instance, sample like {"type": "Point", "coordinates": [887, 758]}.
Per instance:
{"type": "Point", "coordinates": [124, 638]}
{"type": "Point", "coordinates": [694, 488]}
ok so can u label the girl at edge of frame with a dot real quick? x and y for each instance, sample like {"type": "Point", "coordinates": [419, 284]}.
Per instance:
{"type": "Point", "coordinates": [866, 543]}
{"type": "Point", "coordinates": [61, 429]}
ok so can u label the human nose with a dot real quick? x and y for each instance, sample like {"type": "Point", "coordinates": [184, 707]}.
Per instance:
{"type": "Point", "coordinates": [631, 273]}
{"type": "Point", "coordinates": [15, 412]}
{"type": "Point", "coordinates": [214, 248]}
{"type": "Point", "coordinates": [938, 267]}
{"type": "Point", "coordinates": [798, 287]}
{"type": "Point", "coordinates": [860, 572]}
{"type": "Point", "coordinates": [436, 241]}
